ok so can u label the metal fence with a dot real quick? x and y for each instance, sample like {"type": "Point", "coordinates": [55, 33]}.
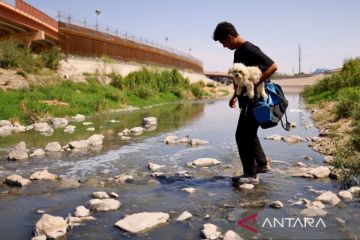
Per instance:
{"type": "Point", "coordinates": [78, 40]}
{"type": "Point", "coordinates": [68, 18]}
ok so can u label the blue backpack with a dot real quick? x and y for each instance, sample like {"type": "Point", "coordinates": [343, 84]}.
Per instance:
{"type": "Point", "coordinates": [270, 111]}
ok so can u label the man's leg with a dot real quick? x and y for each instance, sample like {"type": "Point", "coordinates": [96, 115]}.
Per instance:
{"type": "Point", "coordinates": [245, 139]}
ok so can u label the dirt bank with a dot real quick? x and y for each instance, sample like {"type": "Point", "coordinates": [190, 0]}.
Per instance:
{"type": "Point", "coordinates": [296, 85]}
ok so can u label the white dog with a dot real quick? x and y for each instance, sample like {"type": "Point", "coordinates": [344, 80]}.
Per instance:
{"type": "Point", "coordinates": [247, 77]}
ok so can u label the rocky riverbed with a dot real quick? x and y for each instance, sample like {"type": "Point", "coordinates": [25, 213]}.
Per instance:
{"type": "Point", "coordinates": [169, 177]}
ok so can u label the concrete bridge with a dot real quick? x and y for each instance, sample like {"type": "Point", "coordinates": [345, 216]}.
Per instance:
{"type": "Point", "coordinates": [27, 25]}
{"type": "Point", "coordinates": [39, 31]}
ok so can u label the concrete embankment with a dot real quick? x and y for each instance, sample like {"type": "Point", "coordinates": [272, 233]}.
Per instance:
{"type": "Point", "coordinates": [296, 85]}
{"type": "Point", "coordinates": [75, 67]}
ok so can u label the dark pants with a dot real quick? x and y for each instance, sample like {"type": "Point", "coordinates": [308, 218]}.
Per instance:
{"type": "Point", "coordinates": [250, 150]}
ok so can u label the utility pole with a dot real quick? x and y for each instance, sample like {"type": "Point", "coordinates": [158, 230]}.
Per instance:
{"type": "Point", "coordinates": [299, 59]}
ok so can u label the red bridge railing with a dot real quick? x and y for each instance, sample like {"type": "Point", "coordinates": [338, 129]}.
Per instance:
{"type": "Point", "coordinates": [23, 6]}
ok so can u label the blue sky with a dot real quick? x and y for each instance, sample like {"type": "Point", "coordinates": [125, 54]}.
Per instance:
{"type": "Point", "coordinates": [327, 30]}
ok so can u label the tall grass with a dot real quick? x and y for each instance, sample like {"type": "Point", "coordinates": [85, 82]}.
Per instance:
{"type": "Point", "coordinates": [147, 84]}
{"type": "Point", "coordinates": [72, 98]}
{"type": "Point", "coordinates": [343, 88]}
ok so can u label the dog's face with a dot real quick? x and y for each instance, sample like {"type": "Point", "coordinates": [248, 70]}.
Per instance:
{"type": "Point", "coordinates": [239, 71]}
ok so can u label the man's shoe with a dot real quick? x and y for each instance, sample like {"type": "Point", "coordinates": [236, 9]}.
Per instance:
{"type": "Point", "coordinates": [263, 169]}
{"type": "Point", "coordinates": [245, 179]}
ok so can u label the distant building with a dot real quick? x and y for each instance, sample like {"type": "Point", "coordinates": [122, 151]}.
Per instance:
{"type": "Point", "coordinates": [220, 77]}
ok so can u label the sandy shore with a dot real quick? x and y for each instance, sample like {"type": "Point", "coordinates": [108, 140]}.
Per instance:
{"type": "Point", "coordinates": [296, 85]}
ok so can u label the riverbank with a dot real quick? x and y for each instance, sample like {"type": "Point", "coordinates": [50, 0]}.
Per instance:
{"type": "Point", "coordinates": [334, 103]}
{"type": "Point", "coordinates": [48, 94]}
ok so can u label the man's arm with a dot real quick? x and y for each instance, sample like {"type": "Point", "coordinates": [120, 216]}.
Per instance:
{"type": "Point", "coordinates": [268, 72]}
{"type": "Point", "coordinates": [232, 102]}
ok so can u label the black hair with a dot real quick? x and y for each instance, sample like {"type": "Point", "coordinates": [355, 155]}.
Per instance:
{"type": "Point", "coordinates": [223, 30]}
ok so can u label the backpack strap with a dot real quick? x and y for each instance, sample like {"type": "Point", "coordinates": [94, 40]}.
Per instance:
{"type": "Point", "coordinates": [287, 124]}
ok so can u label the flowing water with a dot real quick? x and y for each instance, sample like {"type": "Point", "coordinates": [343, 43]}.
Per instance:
{"type": "Point", "coordinates": [215, 200]}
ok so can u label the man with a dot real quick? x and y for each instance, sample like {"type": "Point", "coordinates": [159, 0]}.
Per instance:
{"type": "Point", "coordinates": [251, 153]}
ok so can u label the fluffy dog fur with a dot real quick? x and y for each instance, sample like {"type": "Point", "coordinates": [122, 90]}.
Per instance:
{"type": "Point", "coordinates": [247, 77]}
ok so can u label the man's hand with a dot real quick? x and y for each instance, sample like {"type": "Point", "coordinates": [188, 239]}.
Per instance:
{"type": "Point", "coordinates": [232, 102]}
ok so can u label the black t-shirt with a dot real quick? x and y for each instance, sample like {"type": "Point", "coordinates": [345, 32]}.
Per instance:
{"type": "Point", "coordinates": [251, 55]}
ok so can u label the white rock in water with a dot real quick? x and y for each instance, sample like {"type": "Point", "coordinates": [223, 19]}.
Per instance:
{"type": "Point", "coordinates": [114, 195]}
{"type": "Point", "coordinates": [125, 131]}
{"type": "Point", "coordinates": [5, 123]}
{"type": "Point", "coordinates": [137, 130]}
{"type": "Point", "coordinates": [184, 216]}
{"type": "Point", "coordinates": [104, 204]}
{"type": "Point", "coordinates": [141, 222]}
{"type": "Point", "coordinates": [204, 162]}
{"type": "Point", "coordinates": [276, 204]}
{"type": "Point", "coordinates": [30, 127]}
{"type": "Point", "coordinates": [69, 129]}
{"type": "Point", "coordinates": [87, 123]}
{"type": "Point", "coordinates": [210, 231]}
{"type": "Point", "coordinates": [5, 131]}
{"type": "Point", "coordinates": [90, 129]}
{"type": "Point", "coordinates": [184, 140]}
{"type": "Point", "coordinates": [293, 139]}
{"type": "Point", "coordinates": [157, 174]}
{"type": "Point", "coordinates": [37, 153]}
{"type": "Point", "coordinates": [100, 195]}
{"type": "Point", "coordinates": [114, 121]}
{"type": "Point", "coordinates": [149, 121]}
{"type": "Point", "coordinates": [51, 226]}
{"type": "Point", "coordinates": [79, 118]}
{"type": "Point", "coordinates": [82, 144]}
{"type": "Point", "coordinates": [81, 211]}
{"type": "Point", "coordinates": [44, 128]}
{"type": "Point", "coordinates": [123, 178]}
{"type": "Point", "coordinates": [346, 195]}
{"type": "Point", "coordinates": [95, 140]}
{"type": "Point", "coordinates": [300, 164]}
{"type": "Point", "coordinates": [59, 122]}
{"type": "Point", "coordinates": [329, 198]}
{"type": "Point", "coordinates": [275, 137]}
{"type": "Point", "coordinates": [189, 189]}
{"type": "Point", "coordinates": [313, 212]}
{"type": "Point", "coordinates": [16, 180]}
{"type": "Point", "coordinates": [53, 147]}
{"type": "Point", "coordinates": [19, 152]}
{"type": "Point", "coordinates": [320, 172]}
{"type": "Point", "coordinates": [247, 186]}
{"type": "Point", "coordinates": [170, 139]}
{"type": "Point", "coordinates": [354, 190]}
{"type": "Point", "coordinates": [328, 159]}
{"type": "Point", "coordinates": [125, 138]}
{"type": "Point", "coordinates": [154, 167]}
{"type": "Point", "coordinates": [231, 235]}
{"type": "Point", "coordinates": [194, 142]}
{"type": "Point", "coordinates": [19, 129]}
{"type": "Point", "coordinates": [315, 204]}
{"type": "Point", "coordinates": [43, 175]}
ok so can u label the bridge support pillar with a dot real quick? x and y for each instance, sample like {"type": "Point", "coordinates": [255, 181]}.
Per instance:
{"type": "Point", "coordinates": [27, 38]}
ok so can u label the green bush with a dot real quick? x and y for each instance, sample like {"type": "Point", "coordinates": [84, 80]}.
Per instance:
{"type": "Point", "coordinates": [13, 55]}
{"type": "Point", "coordinates": [348, 103]}
{"type": "Point", "coordinates": [51, 58]}
{"type": "Point", "coordinates": [197, 91]}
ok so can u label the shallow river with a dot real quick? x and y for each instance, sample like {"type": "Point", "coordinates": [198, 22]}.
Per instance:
{"type": "Point", "coordinates": [215, 200]}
